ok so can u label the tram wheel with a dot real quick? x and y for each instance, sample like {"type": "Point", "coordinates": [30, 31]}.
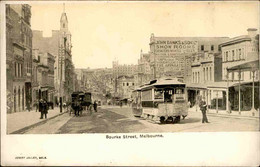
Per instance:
{"type": "Point", "coordinates": [177, 119]}
{"type": "Point", "coordinates": [162, 120]}
{"type": "Point", "coordinates": [170, 119]}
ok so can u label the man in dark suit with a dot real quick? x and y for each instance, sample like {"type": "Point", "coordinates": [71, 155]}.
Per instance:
{"type": "Point", "coordinates": [203, 108]}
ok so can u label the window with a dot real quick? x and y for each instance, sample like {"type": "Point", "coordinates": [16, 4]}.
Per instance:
{"type": "Point", "coordinates": [198, 77]}
{"type": "Point", "coordinates": [233, 55]}
{"type": "Point", "coordinates": [123, 84]}
{"type": "Point", "coordinates": [239, 54]}
{"type": "Point", "coordinates": [15, 69]}
{"type": "Point", "coordinates": [158, 94]}
{"type": "Point", "coordinates": [20, 72]}
{"type": "Point", "coordinates": [242, 54]}
{"type": "Point", "coordinates": [127, 84]}
{"type": "Point", "coordinates": [63, 25]}
{"type": "Point", "coordinates": [210, 78]}
{"type": "Point", "coordinates": [204, 74]}
{"type": "Point", "coordinates": [202, 47]}
{"type": "Point", "coordinates": [212, 47]}
{"type": "Point", "coordinates": [18, 69]}
{"type": "Point", "coordinates": [207, 74]}
{"type": "Point", "coordinates": [226, 55]}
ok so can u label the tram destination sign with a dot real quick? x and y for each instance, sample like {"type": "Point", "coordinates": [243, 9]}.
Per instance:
{"type": "Point", "coordinates": [176, 46]}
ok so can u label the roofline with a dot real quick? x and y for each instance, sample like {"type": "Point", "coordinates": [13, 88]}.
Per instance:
{"type": "Point", "coordinates": [235, 41]}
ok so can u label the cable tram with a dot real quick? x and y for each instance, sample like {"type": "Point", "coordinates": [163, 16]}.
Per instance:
{"type": "Point", "coordinates": [163, 100]}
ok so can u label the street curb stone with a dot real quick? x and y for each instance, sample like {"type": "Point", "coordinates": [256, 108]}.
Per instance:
{"type": "Point", "coordinates": [233, 116]}
{"type": "Point", "coordinates": [229, 116]}
{"type": "Point", "coordinates": [24, 129]}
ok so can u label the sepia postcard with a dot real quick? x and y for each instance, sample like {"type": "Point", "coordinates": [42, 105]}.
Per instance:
{"type": "Point", "coordinates": [130, 83]}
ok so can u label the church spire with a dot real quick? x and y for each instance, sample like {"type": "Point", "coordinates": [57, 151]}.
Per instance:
{"type": "Point", "coordinates": [64, 20]}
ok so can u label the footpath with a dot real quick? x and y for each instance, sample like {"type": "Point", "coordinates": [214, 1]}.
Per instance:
{"type": "Point", "coordinates": [212, 112]}
{"type": "Point", "coordinates": [21, 121]}
{"type": "Point", "coordinates": [224, 113]}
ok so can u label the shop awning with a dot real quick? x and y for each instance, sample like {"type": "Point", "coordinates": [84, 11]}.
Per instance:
{"type": "Point", "coordinates": [246, 83]}
{"type": "Point", "coordinates": [196, 86]}
{"type": "Point", "coordinates": [248, 66]}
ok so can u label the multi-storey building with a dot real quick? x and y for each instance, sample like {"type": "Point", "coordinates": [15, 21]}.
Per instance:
{"type": "Point", "coordinates": [127, 70]}
{"type": "Point", "coordinates": [206, 68]}
{"type": "Point", "coordinates": [18, 56]}
{"type": "Point", "coordinates": [144, 74]}
{"type": "Point", "coordinates": [125, 86]}
{"type": "Point", "coordinates": [24, 12]}
{"type": "Point", "coordinates": [59, 45]}
{"type": "Point", "coordinates": [35, 82]}
{"type": "Point", "coordinates": [239, 50]}
{"type": "Point", "coordinates": [239, 56]}
{"type": "Point", "coordinates": [172, 56]}
{"type": "Point", "coordinates": [51, 88]}
{"type": "Point", "coordinates": [206, 71]}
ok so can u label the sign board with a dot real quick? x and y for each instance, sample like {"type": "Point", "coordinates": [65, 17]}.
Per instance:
{"type": "Point", "coordinates": [176, 46]}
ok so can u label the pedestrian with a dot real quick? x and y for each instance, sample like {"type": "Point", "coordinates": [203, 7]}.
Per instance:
{"type": "Point", "coordinates": [203, 108]}
{"type": "Point", "coordinates": [36, 104]}
{"type": "Point", "coordinates": [46, 108]}
{"type": "Point", "coordinates": [41, 107]}
{"type": "Point", "coordinates": [188, 104]}
{"type": "Point", "coordinates": [28, 105]}
{"type": "Point", "coordinates": [229, 107]}
{"type": "Point", "coordinates": [95, 106]}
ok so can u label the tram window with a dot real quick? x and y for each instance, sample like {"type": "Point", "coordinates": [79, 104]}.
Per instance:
{"type": "Point", "coordinates": [158, 94]}
{"type": "Point", "coordinates": [179, 91]}
{"type": "Point", "coordinates": [168, 95]}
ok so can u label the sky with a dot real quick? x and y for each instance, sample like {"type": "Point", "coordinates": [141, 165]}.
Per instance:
{"type": "Point", "coordinates": [107, 31]}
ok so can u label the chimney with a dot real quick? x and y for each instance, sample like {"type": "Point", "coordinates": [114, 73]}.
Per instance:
{"type": "Point", "coordinates": [252, 32]}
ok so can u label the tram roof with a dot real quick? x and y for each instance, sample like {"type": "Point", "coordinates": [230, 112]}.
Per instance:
{"type": "Point", "coordinates": [168, 82]}
{"type": "Point", "coordinates": [162, 82]}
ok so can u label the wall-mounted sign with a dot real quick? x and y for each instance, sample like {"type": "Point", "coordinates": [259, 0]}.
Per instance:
{"type": "Point", "coordinates": [176, 46]}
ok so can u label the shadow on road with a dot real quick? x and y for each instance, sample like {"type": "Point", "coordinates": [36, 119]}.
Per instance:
{"type": "Point", "coordinates": [185, 121]}
{"type": "Point", "coordinates": [99, 122]}
{"type": "Point", "coordinates": [190, 120]}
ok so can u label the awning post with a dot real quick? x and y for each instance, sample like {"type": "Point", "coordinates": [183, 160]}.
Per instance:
{"type": "Point", "coordinates": [239, 93]}
{"type": "Point", "coordinates": [227, 96]}
{"type": "Point", "coordinates": [217, 102]}
{"type": "Point", "coordinates": [253, 110]}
